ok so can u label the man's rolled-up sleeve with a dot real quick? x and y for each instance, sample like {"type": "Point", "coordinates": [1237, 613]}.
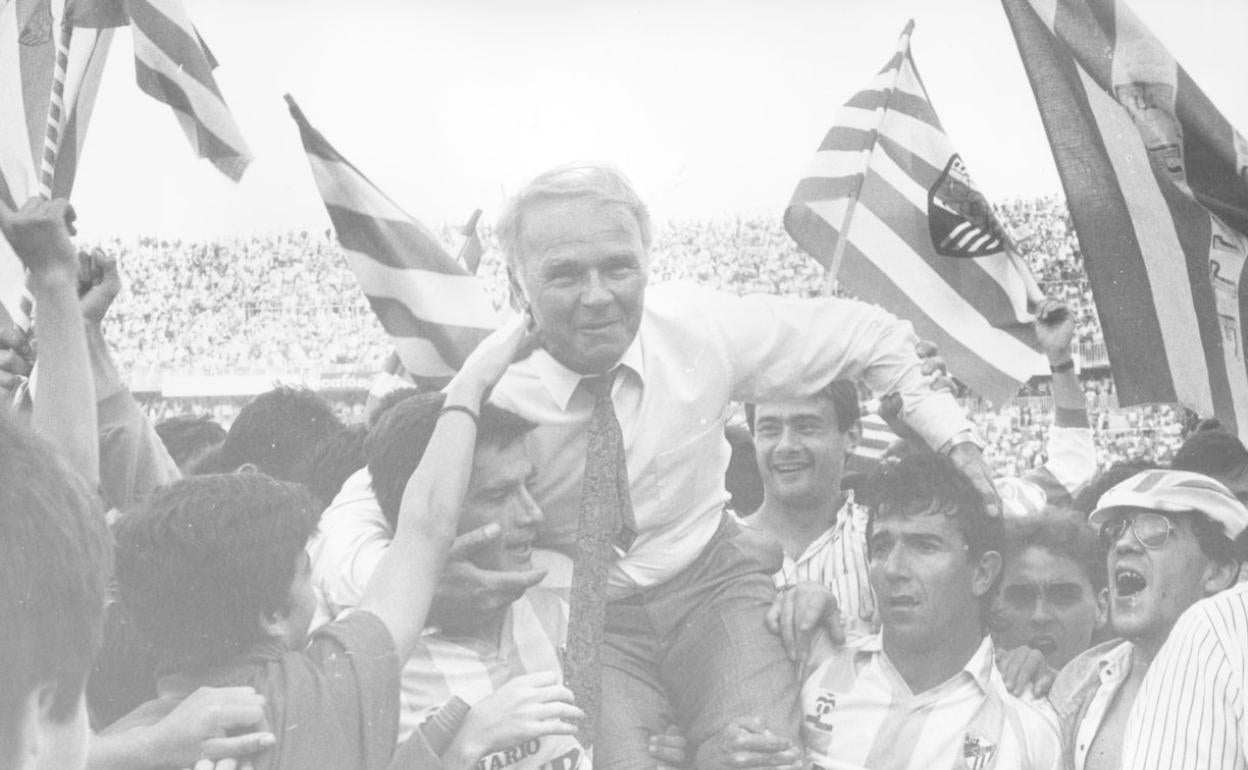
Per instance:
{"type": "Point", "coordinates": [788, 347]}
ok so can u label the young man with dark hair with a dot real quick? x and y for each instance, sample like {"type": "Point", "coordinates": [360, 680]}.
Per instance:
{"type": "Point", "coordinates": [333, 460]}
{"type": "Point", "coordinates": [800, 446]}
{"type": "Point", "coordinates": [478, 662]}
{"type": "Point", "coordinates": [1218, 454]}
{"type": "Point", "coordinates": [55, 558]}
{"type": "Point", "coordinates": [1050, 597]}
{"type": "Point", "coordinates": [1170, 537]}
{"type": "Point", "coordinates": [214, 569]}
{"type": "Point", "coordinates": [927, 684]}
{"type": "Point", "coordinates": [277, 431]}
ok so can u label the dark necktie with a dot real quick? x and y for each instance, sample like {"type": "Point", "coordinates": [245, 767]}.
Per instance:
{"type": "Point", "coordinates": [604, 531]}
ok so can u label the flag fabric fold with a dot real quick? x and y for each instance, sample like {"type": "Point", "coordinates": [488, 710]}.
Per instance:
{"type": "Point", "coordinates": [1157, 184]}
{"type": "Point", "coordinates": [887, 206]}
{"type": "Point", "coordinates": [174, 66]}
{"type": "Point", "coordinates": [45, 106]}
{"type": "Point", "coordinates": [473, 249]}
{"type": "Point", "coordinates": [434, 310]}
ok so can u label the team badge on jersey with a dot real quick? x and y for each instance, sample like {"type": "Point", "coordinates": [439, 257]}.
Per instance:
{"type": "Point", "coordinates": [960, 219]}
{"type": "Point", "coordinates": [820, 720]}
{"type": "Point", "coordinates": [978, 752]}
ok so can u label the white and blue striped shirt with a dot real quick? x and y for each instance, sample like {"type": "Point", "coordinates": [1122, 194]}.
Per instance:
{"type": "Point", "coordinates": [858, 712]}
{"type": "Point", "coordinates": [1190, 713]}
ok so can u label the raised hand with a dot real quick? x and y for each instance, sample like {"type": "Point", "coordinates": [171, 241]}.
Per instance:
{"type": "Point", "coordinates": [39, 233]}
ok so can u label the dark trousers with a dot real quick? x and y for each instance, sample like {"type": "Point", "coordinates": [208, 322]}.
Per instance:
{"type": "Point", "coordinates": [696, 651]}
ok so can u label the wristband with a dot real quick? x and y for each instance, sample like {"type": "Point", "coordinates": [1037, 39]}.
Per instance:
{"type": "Point", "coordinates": [1065, 366]}
{"type": "Point", "coordinates": [458, 408]}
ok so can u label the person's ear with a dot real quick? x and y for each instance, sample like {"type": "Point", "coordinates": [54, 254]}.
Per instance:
{"type": "Point", "coordinates": [986, 570]}
{"type": "Point", "coordinates": [1220, 575]}
{"type": "Point", "coordinates": [1102, 608]}
{"type": "Point", "coordinates": [853, 436]}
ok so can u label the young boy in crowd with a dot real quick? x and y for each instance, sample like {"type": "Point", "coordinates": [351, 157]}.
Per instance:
{"type": "Point", "coordinates": [1051, 594]}
{"type": "Point", "coordinates": [490, 658]}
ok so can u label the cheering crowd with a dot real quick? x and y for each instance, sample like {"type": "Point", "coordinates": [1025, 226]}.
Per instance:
{"type": "Point", "coordinates": [536, 567]}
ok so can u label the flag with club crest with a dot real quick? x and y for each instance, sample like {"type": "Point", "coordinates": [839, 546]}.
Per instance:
{"type": "Point", "coordinates": [889, 208]}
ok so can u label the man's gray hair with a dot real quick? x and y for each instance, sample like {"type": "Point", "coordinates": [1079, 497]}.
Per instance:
{"type": "Point", "coordinates": [592, 182]}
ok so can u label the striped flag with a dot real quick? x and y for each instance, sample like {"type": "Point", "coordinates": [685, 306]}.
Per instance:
{"type": "Point", "coordinates": [1157, 185]}
{"type": "Point", "coordinates": [45, 105]}
{"type": "Point", "coordinates": [434, 310]}
{"type": "Point", "coordinates": [472, 250]}
{"type": "Point", "coordinates": [887, 206]}
{"type": "Point", "coordinates": [174, 66]}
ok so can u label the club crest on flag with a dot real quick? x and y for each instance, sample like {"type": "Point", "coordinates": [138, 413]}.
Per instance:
{"type": "Point", "coordinates": [959, 216]}
{"type": "Point", "coordinates": [38, 30]}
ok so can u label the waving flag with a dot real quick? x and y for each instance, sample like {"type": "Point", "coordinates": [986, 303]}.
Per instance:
{"type": "Point", "coordinates": [887, 206]}
{"type": "Point", "coordinates": [49, 75]}
{"type": "Point", "coordinates": [174, 66]}
{"type": "Point", "coordinates": [1157, 184]}
{"type": "Point", "coordinates": [434, 310]}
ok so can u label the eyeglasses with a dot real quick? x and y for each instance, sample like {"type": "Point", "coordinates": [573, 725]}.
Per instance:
{"type": "Point", "coordinates": [1151, 529]}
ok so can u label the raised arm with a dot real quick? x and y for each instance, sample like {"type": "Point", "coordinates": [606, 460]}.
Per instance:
{"type": "Point", "coordinates": [784, 347]}
{"type": "Point", "coordinates": [1071, 451]}
{"type": "Point", "coordinates": [402, 587]}
{"type": "Point", "coordinates": [133, 459]}
{"type": "Point", "coordinates": [64, 410]}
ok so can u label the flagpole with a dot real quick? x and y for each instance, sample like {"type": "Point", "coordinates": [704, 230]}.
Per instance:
{"type": "Point", "coordinates": [24, 318]}
{"type": "Point", "coordinates": [56, 104]}
{"type": "Point", "coordinates": [838, 252]}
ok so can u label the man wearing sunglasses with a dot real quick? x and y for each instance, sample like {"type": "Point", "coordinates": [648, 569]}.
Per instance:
{"type": "Point", "coordinates": [1171, 541]}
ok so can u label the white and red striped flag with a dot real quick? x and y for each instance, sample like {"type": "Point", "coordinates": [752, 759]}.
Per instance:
{"type": "Point", "coordinates": [1157, 184]}
{"type": "Point", "coordinates": [45, 105]}
{"type": "Point", "coordinates": [887, 206]}
{"type": "Point", "coordinates": [174, 66]}
{"type": "Point", "coordinates": [434, 310]}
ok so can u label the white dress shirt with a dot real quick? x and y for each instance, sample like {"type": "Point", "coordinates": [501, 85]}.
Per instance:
{"type": "Point", "coordinates": [696, 351]}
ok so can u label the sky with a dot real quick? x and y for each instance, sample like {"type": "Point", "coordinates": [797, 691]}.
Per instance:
{"type": "Point", "coordinates": [712, 107]}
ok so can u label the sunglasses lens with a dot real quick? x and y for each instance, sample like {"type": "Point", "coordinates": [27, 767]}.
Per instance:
{"type": "Point", "coordinates": [1151, 529]}
{"type": "Point", "coordinates": [1111, 531]}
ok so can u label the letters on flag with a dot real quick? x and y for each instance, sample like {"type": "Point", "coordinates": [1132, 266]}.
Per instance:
{"type": "Point", "coordinates": [1157, 184]}
{"type": "Point", "coordinates": [887, 205]}
{"type": "Point", "coordinates": [434, 310]}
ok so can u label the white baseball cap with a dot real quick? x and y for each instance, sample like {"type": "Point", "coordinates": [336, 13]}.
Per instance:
{"type": "Point", "coordinates": [1167, 491]}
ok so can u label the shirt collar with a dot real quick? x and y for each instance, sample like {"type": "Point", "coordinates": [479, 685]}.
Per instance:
{"type": "Point", "coordinates": [561, 382]}
{"type": "Point", "coordinates": [1115, 666]}
{"type": "Point", "coordinates": [979, 667]}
